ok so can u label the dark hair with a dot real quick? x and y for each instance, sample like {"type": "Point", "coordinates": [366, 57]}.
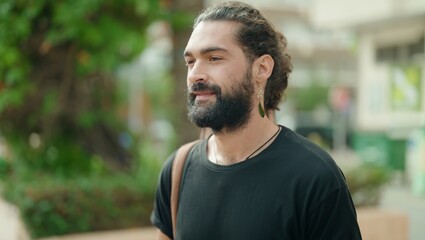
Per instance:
{"type": "Point", "coordinates": [256, 36]}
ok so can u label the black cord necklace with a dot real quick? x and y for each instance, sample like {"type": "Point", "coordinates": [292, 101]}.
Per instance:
{"type": "Point", "coordinates": [256, 150]}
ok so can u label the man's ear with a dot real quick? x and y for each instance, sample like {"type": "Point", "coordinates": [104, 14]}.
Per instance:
{"type": "Point", "coordinates": [263, 68]}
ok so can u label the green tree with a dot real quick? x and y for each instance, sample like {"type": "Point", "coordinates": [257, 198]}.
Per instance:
{"type": "Point", "coordinates": [58, 94]}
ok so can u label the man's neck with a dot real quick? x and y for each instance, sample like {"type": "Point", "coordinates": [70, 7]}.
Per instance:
{"type": "Point", "coordinates": [227, 148]}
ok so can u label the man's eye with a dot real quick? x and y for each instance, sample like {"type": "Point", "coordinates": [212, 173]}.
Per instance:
{"type": "Point", "coordinates": [189, 62]}
{"type": "Point", "coordinates": [213, 59]}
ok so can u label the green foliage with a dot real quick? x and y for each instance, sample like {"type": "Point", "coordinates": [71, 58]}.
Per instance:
{"type": "Point", "coordinates": [63, 201]}
{"type": "Point", "coordinates": [59, 105]}
{"type": "Point", "coordinates": [365, 182]}
{"type": "Point", "coordinates": [307, 98]}
{"type": "Point", "coordinates": [50, 206]}
{"type": "Point", "coordinates": [4, 168]}
{"type": "Point", "coordinates": [102, 32]}
{"type": "Point", "coordinates": [57, 78]}
{"type": "Point", "coordinates": [61, 157]}
{"type": "Point", "coordinates": [180, 20]}
{"type": "Point", "coordinates": [149, 165]}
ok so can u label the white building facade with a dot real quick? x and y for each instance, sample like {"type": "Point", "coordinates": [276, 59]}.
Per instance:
{"type": "Point", "coordinates": [391, 59]}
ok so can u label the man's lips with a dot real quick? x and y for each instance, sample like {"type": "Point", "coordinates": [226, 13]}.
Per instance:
{"type": "Point", "coordinates": [200, 95]}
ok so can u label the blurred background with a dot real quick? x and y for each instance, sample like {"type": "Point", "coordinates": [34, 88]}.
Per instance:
{"type": "Point", "coordinates": [92, 101]}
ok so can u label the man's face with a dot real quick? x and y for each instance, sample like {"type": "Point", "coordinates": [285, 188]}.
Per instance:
{"type": "Point", "coordinates": [230, 111]}
{"type": "Point", "coordinates": [220, 88]}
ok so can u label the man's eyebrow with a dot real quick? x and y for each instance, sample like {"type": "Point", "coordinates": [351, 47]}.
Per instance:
{"type": "Point", "coordinates": [206, 50]}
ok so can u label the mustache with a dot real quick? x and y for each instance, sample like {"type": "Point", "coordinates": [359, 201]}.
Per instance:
{"type": "Point", "coordinates": [203, 86]}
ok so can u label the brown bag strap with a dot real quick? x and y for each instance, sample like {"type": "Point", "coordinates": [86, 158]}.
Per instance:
{"type": "Point", "coordinates": [176, 175]}
{"type": "Point", "coordinates": [177, 171]}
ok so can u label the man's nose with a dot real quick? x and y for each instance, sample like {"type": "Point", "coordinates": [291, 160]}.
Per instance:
{"type": "Point", "coordinates": [197, 73]}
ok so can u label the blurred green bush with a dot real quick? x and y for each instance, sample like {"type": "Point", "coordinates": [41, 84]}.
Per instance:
{"type": "Point", "coordinates": [54, 204]}
{"type": "Point", "coordinates": [54, 207]}
{"type": "Point", "coordinates": [366, 182]}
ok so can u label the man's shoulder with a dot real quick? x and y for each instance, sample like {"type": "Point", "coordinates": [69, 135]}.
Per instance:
{"type": "Point", "coordinates": [309, 159]}
{"type": "Point", "coordinates": [302, 148]}
{"type": "Point", "coordinates": [194, 151]}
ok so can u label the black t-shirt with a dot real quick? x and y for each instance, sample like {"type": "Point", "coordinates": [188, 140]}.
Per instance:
{"type": "Point", "coordinates": [292, 190]}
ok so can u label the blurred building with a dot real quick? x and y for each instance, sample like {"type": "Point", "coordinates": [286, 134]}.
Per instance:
{"type": "Point", "coordinates": [390, 57]}
{"type": "Point", "coordinates": [391, 84]}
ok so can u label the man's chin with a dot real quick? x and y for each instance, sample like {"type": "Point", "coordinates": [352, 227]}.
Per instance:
{"type": "Point", "coordinates": [203, 119]}
{"type": "Point", "coordinates": [203, 104]}
{"type": "Point", "coordinates": [202, 123]}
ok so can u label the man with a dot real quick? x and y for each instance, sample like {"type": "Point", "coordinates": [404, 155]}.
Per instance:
{"type": "Point", "coordinates": [251, 179]}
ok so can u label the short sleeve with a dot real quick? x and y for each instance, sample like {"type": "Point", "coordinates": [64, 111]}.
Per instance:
{"type": "Point", "coordinates": [334, 218]}
{"type": "Point", "coordinates": [161, 214]}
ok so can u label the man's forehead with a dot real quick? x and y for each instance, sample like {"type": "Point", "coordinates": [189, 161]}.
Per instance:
{"type": "Point", "coordinates": [213, 34]}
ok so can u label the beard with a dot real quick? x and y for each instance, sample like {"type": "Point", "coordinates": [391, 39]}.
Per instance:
{"type": "Point", "coordinates": [230, 111]}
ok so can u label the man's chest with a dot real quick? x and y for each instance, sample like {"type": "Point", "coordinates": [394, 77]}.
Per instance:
{"type": "Point", "coordinates": [232, 206]}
